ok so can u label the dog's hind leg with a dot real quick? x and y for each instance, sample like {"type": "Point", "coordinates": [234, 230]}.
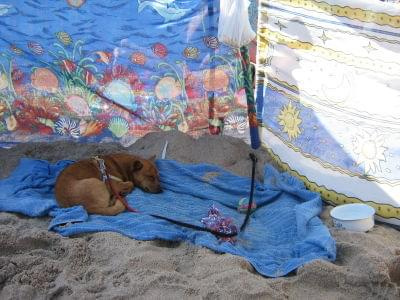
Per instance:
{"type": "Point", "coordinates": [113, 210]}
{"type": "Point", "coordinates": [97, 198]}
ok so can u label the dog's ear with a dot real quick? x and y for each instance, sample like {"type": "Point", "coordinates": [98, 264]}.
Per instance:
{"type": "Point", "coordinates": [137, 165]}
{"type": "Point", "coordinates": [152, 158]}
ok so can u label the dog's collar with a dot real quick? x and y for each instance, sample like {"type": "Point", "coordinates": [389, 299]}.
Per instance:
{"type": "Point", "coordinates": [102, 168]}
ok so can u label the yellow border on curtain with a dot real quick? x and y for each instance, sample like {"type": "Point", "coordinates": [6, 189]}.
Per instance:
{"type": "Point", "coordinates": [385, 211]}
{"type": "Point", "coordinates": [266, 36]}
{"type": "Point", "coordinates": [366, 16]}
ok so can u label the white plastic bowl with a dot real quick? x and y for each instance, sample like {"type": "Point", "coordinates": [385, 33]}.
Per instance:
{"type": "Point", "coordinates": [354, 217]}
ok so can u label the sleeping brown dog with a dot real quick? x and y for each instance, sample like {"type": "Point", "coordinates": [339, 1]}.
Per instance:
{"type": "Point", "coordinates": [81, 182]}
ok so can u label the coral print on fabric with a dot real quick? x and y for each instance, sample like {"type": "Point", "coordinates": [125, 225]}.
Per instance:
{"type": "Point", "coordinates": [115, 70]}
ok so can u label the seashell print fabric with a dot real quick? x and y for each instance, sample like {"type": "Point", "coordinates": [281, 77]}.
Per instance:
{"type": "Point", "coordinates": [98, 71]}
{"type": "Point", "coordinates": [328, 94]}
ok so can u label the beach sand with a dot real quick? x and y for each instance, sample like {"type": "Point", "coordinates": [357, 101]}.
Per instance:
{"type": "Point", "coordinates": [38, 264]}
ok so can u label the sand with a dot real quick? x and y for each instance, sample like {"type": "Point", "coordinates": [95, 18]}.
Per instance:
{"type": "Point", "coordinates": [38, 264]}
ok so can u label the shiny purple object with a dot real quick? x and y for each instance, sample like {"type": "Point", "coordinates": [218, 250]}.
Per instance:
{"type": "Point", "coordinates": [218, 223]}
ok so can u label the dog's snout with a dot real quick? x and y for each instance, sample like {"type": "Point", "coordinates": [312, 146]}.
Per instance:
{"type": "Point", "coordinates": [152, 189]}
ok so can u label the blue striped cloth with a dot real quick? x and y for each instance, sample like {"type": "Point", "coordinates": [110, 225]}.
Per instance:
{"type": "Point", "coordinates": [284, 232]}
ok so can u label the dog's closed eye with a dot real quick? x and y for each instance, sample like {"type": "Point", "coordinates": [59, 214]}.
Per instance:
{"type": "Point", "coordinates": [151, 177]}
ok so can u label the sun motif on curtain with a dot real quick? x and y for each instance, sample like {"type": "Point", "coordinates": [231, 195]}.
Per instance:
{"type": "Point", "coordinates": [290, 121]}
{"type": "Point", "coordinates": [370, 151]}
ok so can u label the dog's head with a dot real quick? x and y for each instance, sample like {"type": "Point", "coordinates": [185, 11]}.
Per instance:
{"type": "Point", "coordinates": [145, 175]}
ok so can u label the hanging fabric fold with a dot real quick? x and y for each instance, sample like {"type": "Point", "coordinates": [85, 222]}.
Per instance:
{"type": "Point", "coordinates": [234, 27]}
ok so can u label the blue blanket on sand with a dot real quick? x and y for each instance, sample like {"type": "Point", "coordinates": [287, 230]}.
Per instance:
{"type": "Point", "coordinates": [283, 233]}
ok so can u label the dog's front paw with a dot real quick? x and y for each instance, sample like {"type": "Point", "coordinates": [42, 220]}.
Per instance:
{"type": "Point", "coordinates": [125, 188]}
